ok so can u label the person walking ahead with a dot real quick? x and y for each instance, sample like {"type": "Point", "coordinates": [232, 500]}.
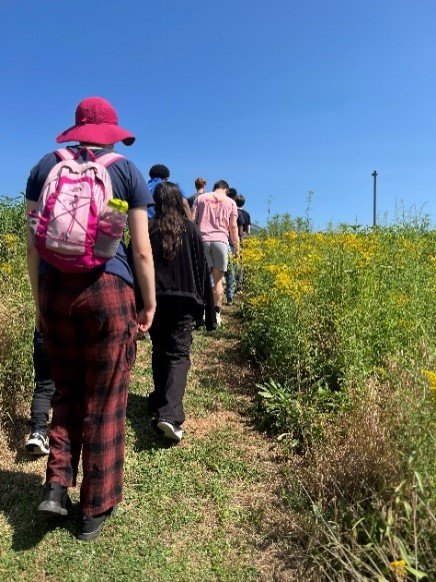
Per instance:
{"type": "Point", "coordinates": [37, 442]}
{"type": "Point", "coordinates": [216, 215]}
{"type": "Point", "coordinates": [88, 318]}
{"type": "Point", "coordinates": [184, 297]}
{"type": "Point", "coordinates": [200, 188]}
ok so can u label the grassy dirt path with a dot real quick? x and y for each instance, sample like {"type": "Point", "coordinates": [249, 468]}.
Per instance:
{"type": "Point", "coordinates": [205, 509]}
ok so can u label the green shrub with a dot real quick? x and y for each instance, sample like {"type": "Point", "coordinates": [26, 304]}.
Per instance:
{"type": "Point", "coordinates": [326, 311]}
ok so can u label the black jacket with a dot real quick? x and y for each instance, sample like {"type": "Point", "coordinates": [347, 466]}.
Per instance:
{"type": "Point", "coordinates": [187, 275]}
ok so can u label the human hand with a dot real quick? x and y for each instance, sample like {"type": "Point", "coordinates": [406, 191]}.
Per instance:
{"type": "Point", "coordinates": [144, 319]}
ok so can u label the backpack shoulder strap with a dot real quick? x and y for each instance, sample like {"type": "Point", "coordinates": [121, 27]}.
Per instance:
{"type": "Point", "coordinates": [108, 159]}
{"type": "Point", "coordinates": [64, 154]}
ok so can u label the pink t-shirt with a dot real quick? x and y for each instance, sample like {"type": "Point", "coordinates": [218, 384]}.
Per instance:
{"type": "Point", "coordinates": [212, 214]}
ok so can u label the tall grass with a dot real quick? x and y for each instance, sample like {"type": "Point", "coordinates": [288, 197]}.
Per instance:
{"type": "Point", "coordinates": [16, 311]}
{"type": "Point", "coordinates": [342, 325]}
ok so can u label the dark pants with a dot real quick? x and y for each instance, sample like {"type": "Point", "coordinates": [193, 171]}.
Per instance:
{"type": "Point", "coordinates": [230, 282]}
{"type": "Point", "coordinates": [171, 336]}
{"type": "Point", "coordinates": [44, 385]}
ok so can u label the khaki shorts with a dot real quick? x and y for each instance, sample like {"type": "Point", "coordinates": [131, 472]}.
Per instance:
{"type": "Point", "coordinates": [217, 255]}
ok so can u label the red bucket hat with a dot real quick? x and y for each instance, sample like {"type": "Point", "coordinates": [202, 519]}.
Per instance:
{"type": "Point", "coordinates": [96, 122]}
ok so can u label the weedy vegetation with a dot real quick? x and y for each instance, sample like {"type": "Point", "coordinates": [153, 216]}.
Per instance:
{"type": "Point", "coordinates": [338, 328]}
{"type": "Point", "coordinates": [341, 325]}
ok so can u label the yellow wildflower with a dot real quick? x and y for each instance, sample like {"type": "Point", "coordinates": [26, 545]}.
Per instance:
{"type": "Point", "coordinates": [399, 567]}
{"type": "Point", "coordinates": [259, 300]}
{"type": "Point", "coordinates": [274, 268]}
{"type": "Point", "coordinates": [401, 300]}
{"type": "Point", "coordinates": [10, 240]}
{"type": "Point", "coordinates": [270, 243]}
{"type": "Point", "coordinates": [305, 287]}
{"type": "Point", "coordinates": [6, 268]}
{"type": "Point", "coordinates": [410, 246]}
{"type": "Point", "coordinates": [284, 281]}
{"type": "Point", "coordinates": [252, 256]}
{"type": "Point", "coordinates": [431, 377]}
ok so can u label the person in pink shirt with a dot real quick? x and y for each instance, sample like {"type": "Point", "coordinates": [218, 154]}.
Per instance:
{"type": "Point", "coordinates": [216, 216]}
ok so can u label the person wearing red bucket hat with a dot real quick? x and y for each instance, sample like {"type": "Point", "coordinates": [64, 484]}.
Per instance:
{"type": "Point", "coordinates": [89, 324]}
{"type": "Point", "coordinates": [96, 123]}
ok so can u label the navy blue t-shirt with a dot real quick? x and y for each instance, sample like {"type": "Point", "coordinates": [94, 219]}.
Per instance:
{"type": "Point", "coordinates": [151, 186]}
{"type": "Point", "coordinates": [244, 219]}
{"type": "Point", "coordinates": [128, 184]}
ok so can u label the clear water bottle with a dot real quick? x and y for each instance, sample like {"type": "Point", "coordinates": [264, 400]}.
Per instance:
{"type": "Point", "coordinates": [111, 227]}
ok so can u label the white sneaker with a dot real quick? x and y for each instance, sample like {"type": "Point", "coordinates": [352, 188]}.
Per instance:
{"type": "Point", "coordinates": [37, 443]}
{"type": "Point", "coordinates": [170, 430]}
{"type": "Point", "coordinates": [218, 319]}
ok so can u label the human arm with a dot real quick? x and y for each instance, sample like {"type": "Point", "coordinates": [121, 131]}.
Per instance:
{"type": "Point", "coordinates": [248, 224]}
{"type": "Point", "coordinates": [240, 222]}
{"type": "Point", "coordinates": [32, 267]}
{"type": "Point", "coordinates": [143, 263]}
{"type": "Point", "coordinates": [234, 235]}
{"type": "Point", "coordinates": [187, 208]}
{"type": "Point", "coordinates": [204, 280]}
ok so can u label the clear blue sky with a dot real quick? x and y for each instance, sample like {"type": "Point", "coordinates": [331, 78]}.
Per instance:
{"type": "Point", "coordinates": [277, 97]}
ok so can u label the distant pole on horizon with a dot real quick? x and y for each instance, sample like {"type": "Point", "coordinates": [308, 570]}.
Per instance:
{"type": "Point", "coordinates": [374, 202]}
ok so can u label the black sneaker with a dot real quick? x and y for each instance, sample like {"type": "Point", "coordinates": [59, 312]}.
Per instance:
{"type": "Point", "coordinates": [170, 430]}
{"type": "Point", "coordinates": [37, 443]}
{"type": "Point", "coordinates": [56, 500]}
{"type": "Point", "coordinates": [93, 524]}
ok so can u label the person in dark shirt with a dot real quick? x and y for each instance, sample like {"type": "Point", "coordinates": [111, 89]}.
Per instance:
{"type": "Point", "coordinates": [183, 298]}
{"type": "Point", "coordinates": [244, 220]}
{"type": "Point", "coordinates": [160, 173]}
{"type": "Point", "coordinates": [89, 324]}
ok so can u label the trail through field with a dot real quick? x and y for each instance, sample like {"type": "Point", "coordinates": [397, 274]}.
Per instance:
{"type": "Point", "coordinates": [206, 509]}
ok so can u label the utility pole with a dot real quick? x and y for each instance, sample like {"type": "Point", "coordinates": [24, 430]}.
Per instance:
{"type": "Point", "coordinates": [374, 204]}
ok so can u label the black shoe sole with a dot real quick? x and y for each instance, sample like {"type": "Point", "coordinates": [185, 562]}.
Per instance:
{"type": "Point", "coordinates": [36, 450]}
{"type": "Point", "coordinates": [88, 537]}
{"type": "Point", "coordinates": [53, 508]}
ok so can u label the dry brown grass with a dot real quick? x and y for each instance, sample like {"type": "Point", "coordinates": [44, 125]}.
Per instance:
{"type": "Point", "coordinates": [360, 453]}
{"type": "Point", "coordinates": [350, 478]}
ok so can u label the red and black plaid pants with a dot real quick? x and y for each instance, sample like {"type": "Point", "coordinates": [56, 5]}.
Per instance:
{"type": "Point", "coordinates": [90, 332]}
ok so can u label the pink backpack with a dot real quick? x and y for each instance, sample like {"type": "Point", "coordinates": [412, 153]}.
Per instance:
{"type": "Point", "coordinates": [72, 227]}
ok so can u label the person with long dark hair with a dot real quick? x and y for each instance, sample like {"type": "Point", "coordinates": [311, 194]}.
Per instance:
{"type": "Point", "coordinates": [183, 298]}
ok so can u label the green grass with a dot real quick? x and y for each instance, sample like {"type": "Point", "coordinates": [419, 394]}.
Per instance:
{"type": "Point", "coordinates": [182, 517]}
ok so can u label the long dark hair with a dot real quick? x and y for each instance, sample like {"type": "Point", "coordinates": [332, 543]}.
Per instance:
{"type": "Point", "coordinates": [170, 217]}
